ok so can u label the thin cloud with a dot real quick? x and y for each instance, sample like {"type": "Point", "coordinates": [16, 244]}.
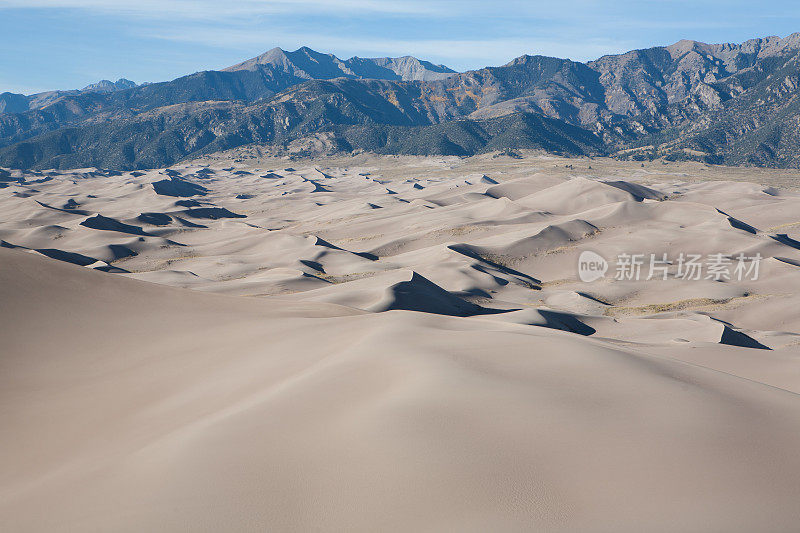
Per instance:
{"type": "Point", "coordinates": [214, 10]}
{"type": "Point", "coordinates": [463, 34]}
{"type": "Point", "coordinates": [475, 52]}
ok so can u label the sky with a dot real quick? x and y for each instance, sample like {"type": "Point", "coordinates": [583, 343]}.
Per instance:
{"type": "Point", "coordinates": [68, 44]}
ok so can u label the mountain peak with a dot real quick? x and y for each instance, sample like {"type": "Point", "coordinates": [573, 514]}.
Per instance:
{"type": "Point", "coordinates": [271, 56]}
{"type": "Point", "coordinates": [763, 46]}
{"type": "Point", "coordinates": [307, 63]}
{"type": "Point", "coordinates": [107, 86]}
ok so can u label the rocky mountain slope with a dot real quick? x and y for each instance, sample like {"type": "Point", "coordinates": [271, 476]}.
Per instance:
{"type": "Point", "coordinates": [19, 103]}
{"type": "Point", "coordinates": [726, 103]}
{"type": "Point", "coordinates": [307, 64]}
{"type": "Point", "coordinates": [108, 86]}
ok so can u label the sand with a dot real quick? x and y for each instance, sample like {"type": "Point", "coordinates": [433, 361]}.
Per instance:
{"type": "Point", "coordinates": [249, 343]}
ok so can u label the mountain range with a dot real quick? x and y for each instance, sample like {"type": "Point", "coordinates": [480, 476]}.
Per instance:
{"type": "Point", "coordinates": [306, 64]}
{"type": "Point", "coordinates": [718, 103]}
{"type": "Point", "coordinates": [19, 103]}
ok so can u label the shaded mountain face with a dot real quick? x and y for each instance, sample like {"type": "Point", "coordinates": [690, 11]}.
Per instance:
{"type": "Point", "coordinates": [13, 103]}
{"type": "Point", "coordinates": [19, 103]}
{"type": "Point", "coordinates": [375, 115]}
{"type": "Point", "coordinates": [732, 103]}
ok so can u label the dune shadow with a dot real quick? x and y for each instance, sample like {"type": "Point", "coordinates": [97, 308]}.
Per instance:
{"type": "Point", "coordinates": [364, 255]}
{"type": "Point", "coordinates": [422, 295]}
{"type": "Point", "coordinates": [212, 213]}
{"type": "Point", "coordinates": [738, 224]}
{"type": "Point", "coordinates": [120, 252]}
{"type": "Point", "coordinates": [785, 239]}
{"type": "Point", "coordinates": [314, 265]}
{"type": "Point", "coordinates": [565, 322]}
{"type": "Point", "coordinates": [68, 257]}
{"type": "Point", "coordinates": [109, 224]}
{"type": "Point", "coordinates": [190, 224]}
{"type": "Point", "coordinates": [188, 203]}
{"type": "Point", "coordinates": [154, 219]}
{"type": "Point", "coordinates": [178, 187]}
{"type": "Point", "coordinates": [70, 211]}
{"type": "Point", "coordinates": [465, 250]}
{"type": "Point", "coordinates": [732, 337]}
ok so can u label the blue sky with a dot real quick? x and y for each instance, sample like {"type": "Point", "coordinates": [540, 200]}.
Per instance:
{"type": "Point", "coordinates": [50, 44]}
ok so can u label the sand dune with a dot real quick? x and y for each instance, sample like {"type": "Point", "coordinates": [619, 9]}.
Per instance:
{"type": "Point", "coordinates": [433, 364]}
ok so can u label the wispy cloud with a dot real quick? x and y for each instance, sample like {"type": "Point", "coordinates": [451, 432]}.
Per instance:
{"type": "Point", "coordinates": [254, 25]}
{"type": "Point", "coordinates": [65, 42]}
{"type": "Point", "coordinates": [487, 51]}
{"type": "Point", "coordinates": [11, 87]}
{"type": "Point", "coordinates": [216, 10]}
